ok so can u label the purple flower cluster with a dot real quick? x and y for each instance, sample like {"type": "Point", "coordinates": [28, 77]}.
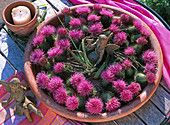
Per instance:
{"type": "Point", "coordinates": [76, 34]}
{"type": "Point", "coordinates": [93, 18]}
{"type": "Point", "coordinates": [63, 43]}
{"type": "Point", "coordinates": [114, 28]}
{"type": "Point", "coordinates": [75, 22]}
{"type": "Point", "coordinates": [113, 104]}
{"type": "Point", "coordinates": [42, 80]}
{"type": "Point", "coordinates": [129, 51]}
{"type": "Point", "coordinates": [97, 7]}
{"type": "Point", "coordinates": [53, 52]}
{"type": "Point", "coordinates": [38, 40]}
{"type": "Point", "coordinates": [47, 30]}
{"type": "Point", "coordinates": [95, 28]}
{"type": "Point", "coordinates": [120, 38]}
{"type": "Point", "coordinates": [134, 88]}
{"type": "Point", "coordinates": [58, 67]}
{"type": "Point", "coordinates": [60, 95]}
{"type": "Point", "coordinates": [141, 41]}
{"type": "Point", "coordinates": [120, 85]}
{"type": "Point", "coordinates": [62, 32]}
{"type": "Point", "coordinates": [107, 13]}
{"type": "Point", "coordinates": [116, 21]}
{"type": "Point", "coordinates": [94, 106]}
{"type": "Point", "coordinates": [66, 11]}
{"type": "Point", "coordinates": [126, 64]}
{"type": "Point", "coordinates": [36, 55]}
{"type": "Point", "coordinates": [150, 77]}
{"type": "Point", "coordinates": [125, 18]}
{"type": "Point", "coordinates": [126, 95]}
{"type": "Point", "coordinates": [150, 57]}
{"type": "Point", "coordinates": [72, 103]}
{"type": "Point", "coordinates": [83, 20]}
{"type": "Point", "coordinates": [150, 68]}
{"type": "Point", "coordinates": [83, 10]}
{"type": "Point", "coordinates": [76, 79]}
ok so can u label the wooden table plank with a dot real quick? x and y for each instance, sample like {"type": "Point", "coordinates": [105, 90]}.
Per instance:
{"type": "Point", "coordinates": [104, 123]}
{"type": "Point", "coordinates": [164, 85]}
{"type": "Point", "coordinates": [161, 99]}
{"type": "Point", "coordinates": [150, 114]}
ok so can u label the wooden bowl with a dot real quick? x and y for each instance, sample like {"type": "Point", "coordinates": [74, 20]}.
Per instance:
{"type": "Point", "coordinates": [84, 116]}
{"type": "Point", "coordinates": [24, 29]}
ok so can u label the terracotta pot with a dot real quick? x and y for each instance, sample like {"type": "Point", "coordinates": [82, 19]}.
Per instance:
{"type": "Point", "coordinates": [140, 100]}
{"type": "Point", "coordinates": [24, 29]}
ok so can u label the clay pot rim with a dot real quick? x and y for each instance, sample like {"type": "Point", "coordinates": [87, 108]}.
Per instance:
{"type": "Point", "coordinates": [35, 15]}
{"type": "Point", "coordinates": [125, 110]}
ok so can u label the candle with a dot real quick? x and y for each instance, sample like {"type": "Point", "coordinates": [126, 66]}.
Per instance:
{"type": "Point", "coordinates": [21, 15]}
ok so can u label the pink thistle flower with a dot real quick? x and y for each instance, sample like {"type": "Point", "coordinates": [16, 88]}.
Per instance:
{"type": "Point", "coordinates": [115, 29]}
{"type": "Point", "coordinates": [83, 10]}
{"type": "Point", "coordinates": [120, 38]}
{"type": "Point", "coordinates": [60, 95]}
{"type": "Point", "coordinates": [66, 11]}
{"type": "Point", "coordinates": [58, 67]}
{"type": "Point", "coordinates": [36, 55]}
{"type": "Point", "coordinates": [116, 21]}
{"type": "Point", "coordinates": [93, 18]}
{"type": "Point", "coordinates": [76, 23]}
{"type": "Point", "coordinates": [72, 103]}
{"type": "Point", "coordinates": [55, 83]}
{"type": "Point", "coordinates": [76, 34]}
{"type": "Point", "coordinates": [83, 20]}
{"type": "Point", "coordinates": [107, 13]}
{"type": "Point", "coordinates": [126, 64]}
{"type": "Point", "coordinates": [129, 51]}
{"type": "Point", "coordinates": [94, 106]}
{"type": "Point", "coordinates": [150, 68]}
{"type": "Point", "coordinates": [141, 41]}
{"type": "Point", "coordinates": [124, 18]}
{"type": "Point", "coordinates": [38, 40]}
{"type": "Point", "coordinates": [134, 88]}
{"type": "Point", "coordinates": [120, 85]}
{"type": "Point", "coordinates": [108, 76]}
{"type": "Point", "coordinates": [84, 88]}
{"type": "Point", "coordinates": [150, 77]}
{"type": "Point", "coordinates": [126, 95]}
{"type": "Point", "coordinates": [150, 57]}
{"type": "Point", "coordinates": [112, 104]}
{"type": "Point", "coordinates": [62, 32]}
{"type": "Point", "coordinates": [42, 61]}
{"type": "Point", "coordinates": [42, 80]}
{"type": "Point", "coordinates": [97, 7]}
{"type": "Point", "coordinates": [63, 43]}
{"type": "Point", "coordinates": [95, 28]}
{"type": "Point", "coordinates": [145, 31]}
{"type": "Point", "coordinates": [115, 68]}
{"type": "Point", "coordinates": [76, 79]}
{"type": "Point", "coordinates": [54, 52]}
{"type": "Point", "coordinates": [138, 25]}
{"type": "Point", "coordinates": [47, 30]}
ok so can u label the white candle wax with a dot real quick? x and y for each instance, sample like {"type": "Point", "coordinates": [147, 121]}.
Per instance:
{"type": "Point", "coordinates": [21, 15]}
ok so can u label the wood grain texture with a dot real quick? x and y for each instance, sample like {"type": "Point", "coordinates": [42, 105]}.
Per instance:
{"type": "Point", "coordinates": [104, 123]}
{"type": "Point", "coordinates": [150, 114]}
{"type": "Point", "coordinates": [164, 85]}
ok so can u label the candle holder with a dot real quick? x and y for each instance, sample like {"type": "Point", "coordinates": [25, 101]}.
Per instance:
{"type": "Point", "coordinates": [24, 29]}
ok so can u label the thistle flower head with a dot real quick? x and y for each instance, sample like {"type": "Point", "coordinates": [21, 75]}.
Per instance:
{"type": "Point", "coordinates": [58, 67]}
{"type": "Point", "coordinates": [47, 30]}
{"type": "Point", "coordinates": [76, 34]}
{"type": "Point", "coordinates": [150, 77]}
{"type": "Point", "coordinates": [76, 79]}
{"type": "Point", "coordinates": [42, 80]}
{"type": "Point", "coordinates": [115, 68]}
{"type": "Point", "coordinates": [42, 61]}
{"type": "Point", "coordinates": [72, 103]}
{"type": "Point", "coordinates": [126, 95]}
{"type": "Point", "coordinates": [95, 28]}
{"type": "Point", "coordinates": [83, 10]}
{"type": "Point", "coordinates": [94, 106]}
{"type": "Point", "coordinates": [97, 7]}
{"type": "Point", "coordinates": [150, 68]}
{"type": "Point", "coordinates": [61, 32]}
{"type": "Point", "coordinates": [150, 57]}
{"type": "Point", "coordinates": [116, 21]}
{"type": "Point", "coordinates": [36, 55]}
{"type": "Point", "coordinates": [53, 52]}
{"type": "Point", "coordinates": [75, 22]}
{"type": "Point", "coordinates": [126, 64]}
{"type": "Point", "coordinates": [145, 31]}
{"type": "Point", "coordinates": [60, 95]}
{"type": "Point", "coordinates": [134, 88]}
{"type": "Point", "coordinates": [120, 85]}
{"type": "Point", "coordinates": [63, 43]}
{"type": "Point", "coordinates": [112, 104]}
{"type": "Point", "coordinates": [138, 24]}
{"type": "Point", "coordinates": [93, 18]}
{"type": "Point", "coordinates": [108, 76]}
{"type": "Point", "coordinates": [120, 38]}
{"type": "Point", "coordinates": [141, 41]}
{"type": "Point", "coordinates": [84, 88]}
{"type": "Point", "coordinates": [124, 18]}
{"type": "Point", "coordinates": [115, 29]}
{"type": "Point", "coordinates": [38, 40]}
{"type": "Point", "coordinates": [129, 51]}
{"type": "Point", "coordinates": [66, 11]}
{"type": "Point", "coordinates": [55, 83]}
{"type": "Point", "coordinates": [107, 13]}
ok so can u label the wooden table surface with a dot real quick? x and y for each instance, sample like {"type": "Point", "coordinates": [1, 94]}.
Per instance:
{"type": "Point", "coordinates": [154, 112]}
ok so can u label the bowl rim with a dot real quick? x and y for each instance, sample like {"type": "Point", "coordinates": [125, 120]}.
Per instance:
{"type": "Point", "coordinates": [132, 106]}
{"type": "Point", "coordinates": [16, 2]}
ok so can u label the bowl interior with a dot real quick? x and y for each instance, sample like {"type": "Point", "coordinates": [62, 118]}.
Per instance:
{"type": "Point", "coordinates": [8, 10]}
{"type": "Point", "coordinates": [140, 100]}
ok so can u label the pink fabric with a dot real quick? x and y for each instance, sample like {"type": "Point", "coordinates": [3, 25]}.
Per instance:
{"type": "Point", "coordinates": [162, 34]}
